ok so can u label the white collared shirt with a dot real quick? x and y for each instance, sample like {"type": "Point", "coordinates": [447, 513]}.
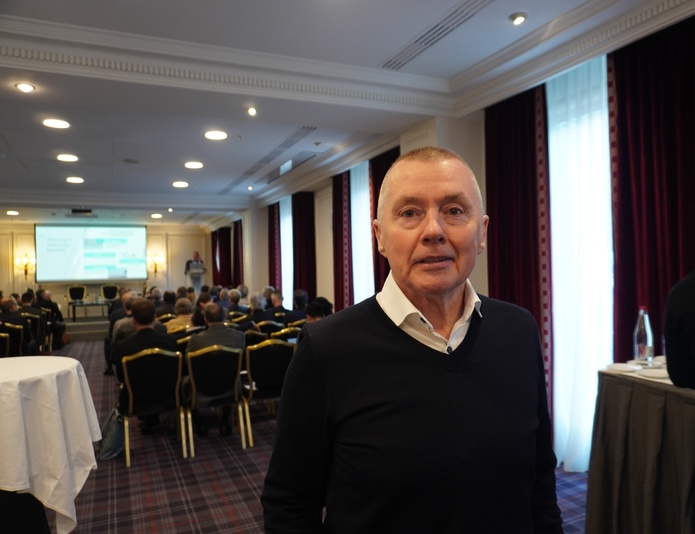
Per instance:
{"type": "Point", "coordinates": [409, 319]}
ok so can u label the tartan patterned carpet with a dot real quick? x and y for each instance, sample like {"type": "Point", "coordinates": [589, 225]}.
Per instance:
{"type": "Point", "coordinates": [217, 491]}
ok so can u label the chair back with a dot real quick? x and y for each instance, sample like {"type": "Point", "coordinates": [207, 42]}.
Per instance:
{"type": "Point", "coordinates": [254, 337]}
{"type": "Point", "coordinates": [238, 316]}
{"type": "Point", "coordinates": [148, 396]}
{"type": "Point", "coordinates": [266, 365]}
{"type": "Point", "coordinates": [38, 327]}
{"type": "Point", "coordinates": [182, 344]}
{"type": "Point", "coordinates": [166, 317]}
{"type": "Point", "coordinates": [300, 323]}
{"type": "Point", "coordinates": [268, 327]}
{"type": "Point", "coordinates": [214, 371]}
{"type": "Point", "coordinates": [4, 344]}
{"type": "Point", "coordinates": [16, 334]}
{"type": "Point", "coordinates": [291, 332]}
{"type": "Point", "coordinates": [77, 292]}
{"type": "Point", "coordinates": [109, 292]}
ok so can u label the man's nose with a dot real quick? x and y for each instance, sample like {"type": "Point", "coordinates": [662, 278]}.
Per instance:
{"type": "Point", "coordinates": [433, 228]}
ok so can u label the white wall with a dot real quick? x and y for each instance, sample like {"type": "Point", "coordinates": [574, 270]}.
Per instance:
{"type": "Point", "coordinates": [323, 214]}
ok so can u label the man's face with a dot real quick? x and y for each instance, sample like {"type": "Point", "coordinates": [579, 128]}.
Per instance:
{"type": "Point", "coordinates": [196, 256]}
{"type": "Point", "coordinates": [431, 227]}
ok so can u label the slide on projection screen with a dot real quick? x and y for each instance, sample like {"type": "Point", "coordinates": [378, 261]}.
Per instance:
{"type": "Point", "coordinates": [91, 253]}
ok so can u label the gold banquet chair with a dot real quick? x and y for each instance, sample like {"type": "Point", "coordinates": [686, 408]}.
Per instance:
{"type": "Point", "coordinates": [4, 344]}
{"type": "Point", "coordinates": [266, 365]}
{"type": "Point", "coordinates": [77, 293]}
{"type": "Point", "coordinates": [253, 337]}
{"type": "Point", "coordinates": [268, 327]}
{"type": "Point", "coordinates": [214, 381]}
{"type": "Point", "coordinates": [150, 397]}
{"type": "Point", "coordinates": [38, 329]}
{"type": "Point", "coordinates": [291, 332]}
{"type": "Point", "coordinates": [16, 336]}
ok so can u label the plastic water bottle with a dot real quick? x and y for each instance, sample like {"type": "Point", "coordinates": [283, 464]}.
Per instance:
{"type": "Point", "coordinates": [643, 340]}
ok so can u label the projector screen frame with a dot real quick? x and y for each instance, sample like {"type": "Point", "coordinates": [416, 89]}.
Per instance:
{"type": "Point", "coordinates": [119, 267]}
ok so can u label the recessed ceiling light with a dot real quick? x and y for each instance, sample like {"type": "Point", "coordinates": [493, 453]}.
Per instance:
{"type": "Point", "coordinates": [215, 135]}
{"type": "Point", "coordinates": [193, 165]}
{"type": "Point", "coordinates": [517, 18]}
{"type": "Point", "coordinates": [67, 157]}
{"type": "Point", "coordinates": [12, 212]}
{"type": "Point", "coordinates": [180, 184]}
{"type": "Point", "coordinates": [156, 215]}
{"type": "Point", "coordinates": [250, 188]}
{"type": "Point", "coordinates": [25, 87]}
{"type": "Point", "coordinates": [251, 111]}
{"type": "Point", "coordinates": [74, 180]}
{"type": "Point", "coordinates": [170, 210]}
{"type": "Point", "coordinates": [56, 123]}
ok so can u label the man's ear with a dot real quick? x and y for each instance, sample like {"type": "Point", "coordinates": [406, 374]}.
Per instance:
{"type": "Point", "coordinates": [376, 226]}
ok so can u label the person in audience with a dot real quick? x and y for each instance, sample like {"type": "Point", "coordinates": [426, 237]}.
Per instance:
{"type": "Point", "coordinates": [118, 303]}
{"type": "Point", "coordinates": [314, 312]}
{"type": "Point", "coordinates": [198, 318]}
{"type": "Point", "coordinates": [156, 295]}
{"type": "Point", "coordinates": [215, 334]}
{"type": "Point", "coordinates": [27, 306]}
{"type": "Point", "coordinates": [235, 302]}
{"type": "Point", "coordinates": [9, 314]}
{"type": "Point", "coordinates": [326, 304]}
{"type": "Point", "coordinates": [117, 313]}
{"type": "Point", "coordinates": [168, 304]}
{"type": "Point", "coordinates": [145, 337]}
{"type": "Point", "coordinates": [278, 310]}
{"type": "Point", "coordinates": [181, 292]}
{"type": "Point", "coordinates": [184, 315]}
{"type": "Point", "coordinates": [56, 324]}
{"type": "Point", "coordinates": [244, 292]}
{"type": "Point", "coordinates": [267, 295]}
{"type": "Point", "coordinates": [223, 299]}
{"type": "Point", "coordinates": [258, 311]}
{"type": "Point", "coordinates": [299, 302]}
{"type": "Point", "coordinates": [126, 326]}
{"type": "Point", "coordinates": [679, 332]}
{"type": "Point", "coordinates": [422, 408]}
{"type": "Point", "coordinates": [191, 293]}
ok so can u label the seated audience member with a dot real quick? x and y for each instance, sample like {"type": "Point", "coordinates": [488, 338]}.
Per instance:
{"type": "Point", "coordinates": [679, 332]}
{"type": "Point", "coordinates": [235, 302]}
{"type": "Point", "coordinates": [277, 299]}
{"type": "Point", "coordinates": [298, 312]}
{"type": "Point", "coordinates": [326, 304]}
{"type": "Point", "coordinates": [205, 289]}
{"type": "Point", "coordinates": [215, 293]}
{"type": "Point", "coordinates": [223, 299]}
{"type": "Point", "coordinates": [184, 315]}
{"type": "Point", "coordinates": [168, 303]}
{"type": "Point", "coordinates": [145, 337]}
{"type": "Point", "coordinates": [314, 312]}
{"type": "Point", "coordinates": [28, 307]}
{"type": "Point", "coordinates": [216, 334]}
{"type": "Point", "coordinates": [181, 292]}
{"type": "Point", "coordinates": [126, 326]}
{"type": "Point", "coordinates": [244, 292]}
{"type": "Point", "coordinates": [56, 324]}
{"type": "Point", "coordinates": [258, 311]}
{"type": "Point", "coordinates": [198, 318]}
{"type": "Point", "coordinates": [117, 313]}
{"type": "Point", "coordinates": [9, 314]}
{"type": "Point", "coordinates": [118, 302]}
{"type": "Point", "coordinates": [190, 293]}
{"type": "Point", "coordinates": [156, 295]}
{"type": "Point", "coordinates": [267, 294]}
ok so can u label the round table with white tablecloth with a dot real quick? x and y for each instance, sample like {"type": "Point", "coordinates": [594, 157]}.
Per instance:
{"type": "Point", "coordinates": [47, 428]}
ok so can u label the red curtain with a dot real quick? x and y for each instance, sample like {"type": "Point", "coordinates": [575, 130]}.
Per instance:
{"type": "Point", "coordinates": [342, 242]}
{"type": "Point", "coordinates": [304, 242]}
{"type": "Point", "coordinates": [378, 167]}
{"type": "Point", "coordinates": [238, 256]}
{"type": "Point", "coordinates": [222, 256]}
{"type": "Point", "coordinates": [274, 258]}
{"type": "Point", "coordinates": [652, 97]}
{"type": "Point", "coordinates": [516, 157]}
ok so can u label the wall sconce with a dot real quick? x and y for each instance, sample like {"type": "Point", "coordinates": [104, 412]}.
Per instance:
{"type": "Point", "coordinates": [26, 264]}
{"type": "Point", "coordinates": [154, 263]}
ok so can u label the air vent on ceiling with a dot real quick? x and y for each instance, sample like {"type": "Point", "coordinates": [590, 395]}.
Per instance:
{"type": "Point", "coordinates": [435, 33]}
{"type": "Point", "coordinates": [290, 164]}
{"type": "Point", "coordinates": [80, 212]}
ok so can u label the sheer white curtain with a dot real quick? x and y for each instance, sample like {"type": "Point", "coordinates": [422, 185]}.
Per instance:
{"type": "Point", "coordinates": [361, 228]}
{"type": "Point", "coordinates": [582, 252]}
{"type": "Point", "coordinates": [287, 251]}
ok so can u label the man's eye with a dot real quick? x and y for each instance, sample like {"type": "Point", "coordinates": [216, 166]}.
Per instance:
{"type": "Point", "coordinates": [408, 213]}
{"type": "Point", "coordinates": [454, 211]}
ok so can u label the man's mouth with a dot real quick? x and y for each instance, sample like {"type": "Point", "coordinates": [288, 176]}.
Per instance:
{"type": "Point", "coordinates": [433, 260]}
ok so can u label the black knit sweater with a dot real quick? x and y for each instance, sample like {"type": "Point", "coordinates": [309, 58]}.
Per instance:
{"type": "Point", "coordinates": [392, 436]}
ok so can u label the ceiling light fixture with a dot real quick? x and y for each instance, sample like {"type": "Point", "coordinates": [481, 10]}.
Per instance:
{"type": "Point", "coordinates": [156, 216]}
{"type": "Point", "coordinates": [25, 87]}
{"type": "Point", "coordinates": [170, 210]}
{"type": "Point", "coordinates": [56, 123]}
{"type": "Point", "coordinates": [215, 135]}
{"type": "Point", "coordinates": [180, 184]}
{"type": "Point", "coordinates": [251, 111]}
{"type": "Point", "coordinates": [12, 212]}
{"type": "Point", "coordinates": [67, 157]}
{"type": "Point", "coordinates": [517, 18]}
{"type": "Point", "coordinates": [193, 165]}
{"type": "Point", "coordinates": [250, 188]}
{"type": "Point", "coordinates": [74, 180]}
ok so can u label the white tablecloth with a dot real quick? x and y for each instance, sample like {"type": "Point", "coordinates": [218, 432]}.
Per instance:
{"type": "Point", "coordinates": [47, 426]}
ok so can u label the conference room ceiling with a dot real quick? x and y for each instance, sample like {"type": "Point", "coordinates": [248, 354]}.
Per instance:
{"type": "Point", "coordinates": [334, 83]}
